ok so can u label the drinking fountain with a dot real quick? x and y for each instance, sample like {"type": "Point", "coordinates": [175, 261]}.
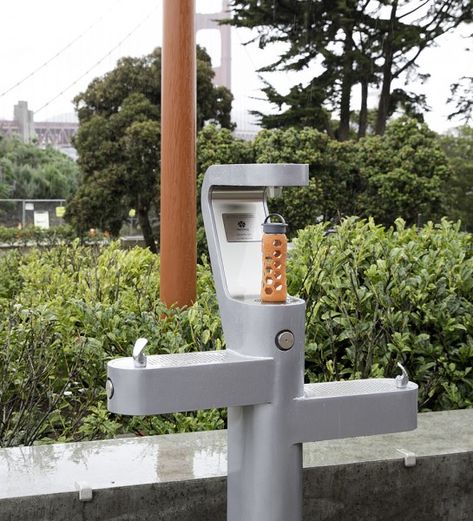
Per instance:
{"type": "Point", "coordinates": [260, 374]}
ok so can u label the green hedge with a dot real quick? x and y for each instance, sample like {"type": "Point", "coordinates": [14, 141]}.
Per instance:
{"type": "Point", "coordinates": [42, 237]}
{"type": "Point", "coordinates": [374, 297]}
{"type": "Point", "coordinates": [66, 311]}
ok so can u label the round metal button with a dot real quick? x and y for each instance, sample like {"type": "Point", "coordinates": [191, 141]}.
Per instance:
{"type": "Point", "coordinates": [109, 388]}
{"type": "Point", "coordinates": [285, 340]}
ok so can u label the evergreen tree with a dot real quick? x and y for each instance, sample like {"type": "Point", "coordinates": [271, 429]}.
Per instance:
{"type": "Point", "coordinates": [458, 147]}
{"type": "Point", "coordinates": [119, 141]}
{"type": "Point", "coordinates": [29, 172]}
{"type": "Point", "coordinates": [369, 43]}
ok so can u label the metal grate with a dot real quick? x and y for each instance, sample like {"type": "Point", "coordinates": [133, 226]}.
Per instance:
{"type": "Point", "coordinates": [352, 387]}
{"type": "Point", "coordinates": [187, 359]}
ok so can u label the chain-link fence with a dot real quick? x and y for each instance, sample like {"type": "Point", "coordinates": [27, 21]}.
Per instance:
{"type": "Point", "coordinates": [42, 213]}
{"type": "Point", "coordinates": [49, 213]}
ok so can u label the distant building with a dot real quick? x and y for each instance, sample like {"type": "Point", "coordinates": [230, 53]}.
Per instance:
{"type": "Point", "coordinates": [24, 119]}
{"type": "Point", "coordinates": [59, 134]}
{"type": "Point", "coordinates": [43, 133]}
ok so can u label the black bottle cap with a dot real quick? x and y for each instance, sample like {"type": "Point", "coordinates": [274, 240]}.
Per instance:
{"type": "Point", "coordinates": [269, 227]}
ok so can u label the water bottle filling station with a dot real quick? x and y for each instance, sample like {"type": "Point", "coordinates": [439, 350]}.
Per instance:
{"type": "Point", "coordinates": [260, 374]}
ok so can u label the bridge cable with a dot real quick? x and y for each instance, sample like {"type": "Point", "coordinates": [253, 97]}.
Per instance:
{"type": "Point", "coordinates": [70, 44]}
{"type": "Point", "coordinates": [140, 24]}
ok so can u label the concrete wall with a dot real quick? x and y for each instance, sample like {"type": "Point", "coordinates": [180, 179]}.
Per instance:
{"type": "Point", "coordinates": [437, 488]}
{"type": "Point", "coordinates": [344, 480]}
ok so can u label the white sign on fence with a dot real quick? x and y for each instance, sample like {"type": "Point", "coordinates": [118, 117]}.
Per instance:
{"type": "Point", "coordinates": [41, 219]}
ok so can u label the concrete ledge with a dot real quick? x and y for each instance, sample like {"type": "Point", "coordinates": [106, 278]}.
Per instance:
{"type": "Point", "coordinates": [182, 477]}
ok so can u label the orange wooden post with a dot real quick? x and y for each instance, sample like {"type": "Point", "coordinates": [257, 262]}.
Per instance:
{"type": "Point", "coordinates": [178, 136]}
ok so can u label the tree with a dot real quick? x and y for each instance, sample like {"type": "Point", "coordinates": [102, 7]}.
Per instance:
{"type": "Point", "coordinates": [413, 27]}
{"type": "Point", "coordinates": [402, 174]}
{"type": "Point", "coordinates": [313, 30]}
{"type": "Point", "coordinates": [28, 172]}
{"type": "Point", "coordinates": [458, 147]}
{"type": "Point", "coordinates": [119, 141]}
{"type": "Point", "coordinates": [348, 42]}
{"type": "Point", "coordinates": [406, 174]}
{"type": "Point", "coordinates": [461, 96]}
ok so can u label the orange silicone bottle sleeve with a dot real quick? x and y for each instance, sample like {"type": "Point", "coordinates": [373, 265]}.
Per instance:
{"type": "Point", "coordinates": [273, 284]}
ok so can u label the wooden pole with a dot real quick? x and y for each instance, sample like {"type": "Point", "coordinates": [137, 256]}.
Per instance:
{"type": "Point", "coordinates": [178, 137]}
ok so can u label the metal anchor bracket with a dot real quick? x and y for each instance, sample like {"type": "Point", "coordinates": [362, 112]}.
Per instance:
{"type": "Point", "coordinates": [409, 457]}
{"type": "Point", "coordinates": [85, 490]}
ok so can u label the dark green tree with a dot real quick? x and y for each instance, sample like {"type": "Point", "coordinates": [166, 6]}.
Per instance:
{"type": "Point", "coordinates": [411, 28]}
{"type": "Point", "coordinates": [119, 141]}
{"type": "Point", "coordinates": [369, 43]}
{"type": "Point", "coordinates": [27, 171]}
{"type": "Point", "coordinates": [461, 96]}
{"type": "Point", "coordinates": [314, 31]}
{"type": "Point", "coordinates": [458, 147]}
{"type": "Point", "coordinates": [402, 174]}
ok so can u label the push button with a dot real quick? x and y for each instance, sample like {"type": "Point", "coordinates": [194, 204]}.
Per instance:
{"type": "Point", "coordinates": [285, 340]}
{"type": "Point", "coordinates": [109, 389]}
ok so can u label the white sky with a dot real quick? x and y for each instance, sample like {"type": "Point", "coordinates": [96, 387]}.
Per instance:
{"type": "Point", "coordinates": [32, 32]}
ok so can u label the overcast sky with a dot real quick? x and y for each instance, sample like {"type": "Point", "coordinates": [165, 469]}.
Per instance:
{"type": "Point", "coordinates": [90, 36]}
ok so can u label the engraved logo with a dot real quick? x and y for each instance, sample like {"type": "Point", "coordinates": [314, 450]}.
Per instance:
{"type": "Point", "coordinates": [241, 227]}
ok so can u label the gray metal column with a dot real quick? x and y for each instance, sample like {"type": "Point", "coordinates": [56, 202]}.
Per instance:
{"type": "Point", "coordinates": [264, 467]}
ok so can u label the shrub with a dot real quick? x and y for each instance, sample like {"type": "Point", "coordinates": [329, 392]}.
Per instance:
{"type": "Point", "coordinates": [376, 297]}
{"type": "Point", "coordinates": [458, 147]}
{"type": "Point", "coordinates": [39, 237]}
{"type": "Point", "coordinates": [69, 310]}
{"type": "Point", "coordinates": [216, 146]}
{"type": "Point", "coordinates": [406, 174]}
{"type": "Point", "coordinates": [334, 174]}
{"type": "Point", "coordinates": [402, 174]}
